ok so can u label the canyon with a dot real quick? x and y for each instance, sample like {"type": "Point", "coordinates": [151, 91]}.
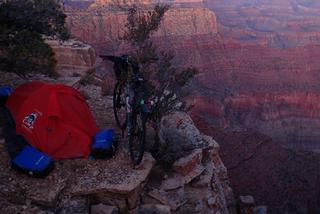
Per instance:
{"type": "Point", "coordinates": [258, 82]}
{"type": "Point", "coordinates": [239, 53]}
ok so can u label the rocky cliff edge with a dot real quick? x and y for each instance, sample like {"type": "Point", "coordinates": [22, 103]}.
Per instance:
{"type": "Point", "coordinates": [198, 180]}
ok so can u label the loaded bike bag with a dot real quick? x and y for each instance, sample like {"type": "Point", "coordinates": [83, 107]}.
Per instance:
{"type": "Point", "coordinates": [33, 162]}
{"type": "Point", "coordinates": [104, 144]}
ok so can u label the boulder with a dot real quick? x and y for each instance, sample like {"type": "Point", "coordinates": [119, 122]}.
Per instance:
{"type": "Point", "coordinates": [180, 137]}
{"type": "Point", "coordinates": [197, 170]}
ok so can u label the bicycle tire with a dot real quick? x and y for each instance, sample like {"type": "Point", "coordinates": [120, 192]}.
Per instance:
{"type": "Point", "coordinates": [119, 105]}
{"type": "Point", "coordinates": [137, 139]}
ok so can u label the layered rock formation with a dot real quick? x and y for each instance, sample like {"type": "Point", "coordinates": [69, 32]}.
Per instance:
{"type": "Point", "coordinates": [102, 27]}
{"type": "Point", "coordinates": [255, 63]}
{"type": "Point", "coordinates": [199, 180]}
{"type": "Point", "coordinates": [249, 55]}
{"type": "Point", "coordinates": [269, 22]}
{"type": "Point", "coordinates": [265, 80]}
{"type": "Point", "coordinates": [72, 55]}
{"type": "Point", "coordinates": [289, 117]}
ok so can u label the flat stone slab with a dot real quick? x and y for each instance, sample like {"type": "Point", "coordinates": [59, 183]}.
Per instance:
{"type": "Point", "coordinates": [173, 199]}
{"type": "Point", "coordinates": [45, 193]}
{"type": "Point", "coordinates": [117, 176]}
{"type": "Point", "coordinates": [178, 180]}
{"type": "Point", "coordinates": [186, 164]}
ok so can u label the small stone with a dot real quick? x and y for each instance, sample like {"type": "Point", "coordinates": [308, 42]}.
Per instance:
{"type": "Point", "coordinates": [247, 200]}
{"type": "Point", "coordinates": [212, 201]}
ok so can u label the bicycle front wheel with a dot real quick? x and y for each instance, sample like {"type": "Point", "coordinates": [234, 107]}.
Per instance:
{"type": "Point", "coordinates": [137, 139]}
{"type": "Point", "coordinates": [119, 105]}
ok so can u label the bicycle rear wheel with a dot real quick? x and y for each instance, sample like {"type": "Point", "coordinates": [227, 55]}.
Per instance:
{"type": "Point", "coordinates": [137, 138]}
{"type": "Point", "coordinates": [119, 105]}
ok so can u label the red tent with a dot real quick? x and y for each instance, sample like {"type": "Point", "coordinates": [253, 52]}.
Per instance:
{"type": "Point", "coordinates": [53, 118]}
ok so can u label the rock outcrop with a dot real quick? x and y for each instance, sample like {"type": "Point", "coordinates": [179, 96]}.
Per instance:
{"type": "Point", "coordinates": [198, 181]}
{"type": "Point", "coordinates": [72, 55]}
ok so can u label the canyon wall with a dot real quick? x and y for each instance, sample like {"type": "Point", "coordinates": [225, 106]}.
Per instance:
{"type": "Point", "coordinates": [259, 72]}
{"type": "Point", "coordinates": [103, 28]}
{"type": "Point", "coordinates": [264, 47]}
{"type": "Point", "coordinates": [292, 118]}
{"type": "Point", "coordinates": [281, 24]}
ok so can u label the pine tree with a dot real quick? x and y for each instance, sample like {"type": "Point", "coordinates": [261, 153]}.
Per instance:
{"type": "Point", "coordinates": [23, 23]}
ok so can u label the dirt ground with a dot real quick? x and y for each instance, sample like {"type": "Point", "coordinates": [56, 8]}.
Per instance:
{"type": "Point", "coordinates": [68, 187]}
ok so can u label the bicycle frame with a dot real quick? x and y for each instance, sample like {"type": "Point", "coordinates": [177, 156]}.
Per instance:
{"type": "Point", "coordinates": [126, 85]}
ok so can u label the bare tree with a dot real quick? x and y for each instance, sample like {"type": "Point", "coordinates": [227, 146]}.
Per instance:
{"type": "Point", "coordinates": [166, 81]}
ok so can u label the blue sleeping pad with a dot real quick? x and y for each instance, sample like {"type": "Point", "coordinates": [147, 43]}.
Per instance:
{"type": "Point", "coordinates": [33, 162]}
{"type": "Point", "coordinates": [5, 91]}
{"type": "Point", "coordinates": [104, 144]}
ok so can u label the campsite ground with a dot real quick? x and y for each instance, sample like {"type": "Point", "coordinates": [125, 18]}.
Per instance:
{"type": "Point", "coordinates": [198, 180]}
{"type": "Point", "coordinates": [65, 189]}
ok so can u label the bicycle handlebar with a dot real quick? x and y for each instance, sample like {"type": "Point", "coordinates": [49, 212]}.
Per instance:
{"type": "Point", "coordinates": [115, 59]}
{"type": "Point", "coordinates": [124, 63]}
{"type": "Point", "coordinates": [108, 57]}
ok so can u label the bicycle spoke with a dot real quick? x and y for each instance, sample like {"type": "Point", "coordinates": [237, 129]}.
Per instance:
{"type": "Point", "coordinates": [119, 105]}
{"type": "Point", "coordinates": [137, 140]}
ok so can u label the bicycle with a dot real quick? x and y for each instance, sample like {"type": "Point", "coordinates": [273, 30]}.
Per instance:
{"type": "Point", "coordinates": [131, 104]}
